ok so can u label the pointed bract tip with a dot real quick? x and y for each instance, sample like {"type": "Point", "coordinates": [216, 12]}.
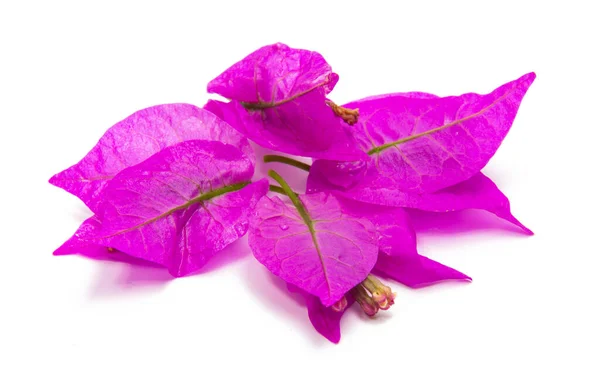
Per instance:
{"type": "Point", "coordinates": [53, 180]}
{"type": "Point", "coordinates": [512, 219]}
{"type": "Point", "coordinates": [421, 285]}
{"type": "Point", "coordinates": [63, 249]}
{"type": "Point", "coordinates": [524, 228]}
{"type": "Point", "coordinates": [335, 340]}
{"type": "Point", "coordinates": [527, 79]}
{"type": "Point", "coordinates": [527, 231]}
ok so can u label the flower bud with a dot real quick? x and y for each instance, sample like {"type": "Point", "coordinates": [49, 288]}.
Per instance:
{"type": "Point", "coordinates": [340, 305]}
{"type": "Point", "coordinates": [373, 295]}
{"type": "Point", "coordinates": [368, 305]}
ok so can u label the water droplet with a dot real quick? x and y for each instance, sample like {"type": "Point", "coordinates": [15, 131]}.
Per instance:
{"type": "Point", "coordinates": [284, 227]}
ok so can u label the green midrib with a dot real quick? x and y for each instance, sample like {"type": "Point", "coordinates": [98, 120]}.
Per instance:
{"type": "Point", "coordinates": [383, 147]}
{"type": "Point", "coordinates": [200, 198]}
{"type": "Point", "coordinates": [305, 217]}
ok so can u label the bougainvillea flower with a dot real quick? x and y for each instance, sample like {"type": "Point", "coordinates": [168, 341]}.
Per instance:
{"type": "Point", "coordinates": [478, 192]}
{"type": "Point", "coordinates": [398, 259]}
{"type": "Point", "coordinates": [295, 243]}
{"type": "Point", "coordinates": [177, 208]}
{"type": "Point", "coordinates": [136, 138]}
{"type": "Point", "coordinates": [313, 245]}
{"type": "Point", "coordinates": [422, 143]}
{"type": "Point", "coordinates": [278, 100]}
{"type": "Point", "coordinates": [171, 185]}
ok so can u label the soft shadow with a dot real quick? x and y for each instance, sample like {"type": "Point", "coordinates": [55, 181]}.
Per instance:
{"type": "Point", "coordinates": [381, 317]}
{"type": "Point", "coordinates": [117, 277]}
{"type": "Point", "coordinates": [272, 293]}
{"type": "Point", "coordinates": [101, 253]}
{"type": "Point", "coordinates": [120, 273]}
{"type": "Point", "coordinates": [442, 286]}
{"type": "Point", "coordinates": [457, 222]}
{"type": "Point", "coordinates": [229, 255]}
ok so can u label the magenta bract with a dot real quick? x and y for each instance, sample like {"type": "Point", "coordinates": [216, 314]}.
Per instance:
{"type": "Point", "coordinates": [279, 101]}
{"type": "Point", "coordinates": [421, 143]}
{"type": "Point", "coordinates": [326, 257]}
{"type": "Point", "coordinates": [136, 138]}
{"type": "Point", "coordinates": [274, 74]}
{"type": "Point", "coordinates": [177, 208]}
{"type": "Point", "coordinates": [424, 144]}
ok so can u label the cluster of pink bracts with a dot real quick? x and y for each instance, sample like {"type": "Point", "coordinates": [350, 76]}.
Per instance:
{"type": "Point", "coordinates": [173, 184]}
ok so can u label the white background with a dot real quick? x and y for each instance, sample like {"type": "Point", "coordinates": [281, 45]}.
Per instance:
{"type": "Point", "coordinates": [68, 71]}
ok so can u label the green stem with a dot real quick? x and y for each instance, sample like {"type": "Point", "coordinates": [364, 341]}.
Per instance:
{"type": "Point", "coordinates": [286, 160]}
{"type": "Point", "coordinates": [277, 189]}
{"type": "Point", "coordinates": [292, 195]}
